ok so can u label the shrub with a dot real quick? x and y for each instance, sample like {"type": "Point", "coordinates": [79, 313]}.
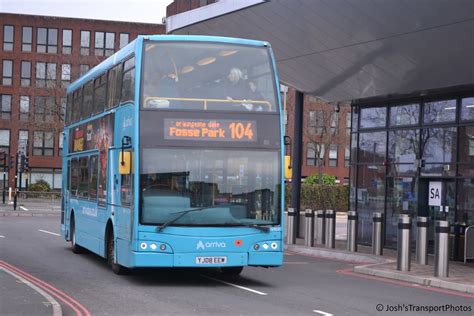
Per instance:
{"type": "Point", "coordinates": [321, 196]}
{"type": "Point", "coordinates": [320, 178]}
{"type": "Point", "coordinates": [40, 186]}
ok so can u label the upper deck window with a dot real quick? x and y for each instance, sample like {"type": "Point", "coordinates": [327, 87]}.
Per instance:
{"type": "Point", "coordinates": [207, 76]}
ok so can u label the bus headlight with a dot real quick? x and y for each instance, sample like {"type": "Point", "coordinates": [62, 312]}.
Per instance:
{"type": "Point", "coordinates": [153, 246]}
{"type": "Point", "coordinates": [143, 245]}
{"type": "Point", "coordinates": [274, 245]}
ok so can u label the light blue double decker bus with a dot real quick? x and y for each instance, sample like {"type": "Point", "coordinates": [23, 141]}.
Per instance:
{"type": "Point", "coordinates": [173, 156]}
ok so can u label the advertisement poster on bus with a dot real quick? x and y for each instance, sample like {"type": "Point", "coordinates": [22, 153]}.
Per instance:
{"type": "Point", "coordinates": [97, 134]}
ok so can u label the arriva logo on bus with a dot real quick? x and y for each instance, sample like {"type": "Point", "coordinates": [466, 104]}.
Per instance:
{"type": "Point", "coordinates": [214, 244]}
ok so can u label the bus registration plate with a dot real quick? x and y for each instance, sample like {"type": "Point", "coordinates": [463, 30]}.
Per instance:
{"type": "Point", "coordinates": [211, 260]}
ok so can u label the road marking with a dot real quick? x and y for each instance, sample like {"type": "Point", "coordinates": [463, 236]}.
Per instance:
{"type": "Point", "coordinates": [1, 236]}
{"type": "Point", "coordinates": [57, 311]}
{"type": "Point", "coordinates": [24, 208]}
{"type": "Point", "coordinates": [69, 301]}
{"type": "Point", "coordinates": [235, 285]}
{"type": "Point", "coordinates": [322, 313]}
{"type": "Point", "coordinates": [295, 262]}
{"type": "Point", "coordinates": [47, 232]}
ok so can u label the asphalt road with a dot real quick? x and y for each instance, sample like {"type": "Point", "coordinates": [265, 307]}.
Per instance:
{"type": "Point", "coordinates": [303, 286]}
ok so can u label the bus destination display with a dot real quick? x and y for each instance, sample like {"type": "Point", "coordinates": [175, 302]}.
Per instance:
{"type": "Point", "coordinates": [210, 130]}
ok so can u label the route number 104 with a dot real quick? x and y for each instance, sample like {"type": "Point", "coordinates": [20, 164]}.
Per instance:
{"type": "Point", "coordinates": [239, 131]}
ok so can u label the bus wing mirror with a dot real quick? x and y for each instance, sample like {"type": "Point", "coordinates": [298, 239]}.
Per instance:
{"type": "Point", "coordinates": [288, 169]}
{"type": "Point", "coordinates": [126, 162]}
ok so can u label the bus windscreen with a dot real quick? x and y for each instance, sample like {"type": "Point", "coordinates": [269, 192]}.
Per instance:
{"type": "Point", "coordinates": [231, 187]}
{"type": "Point", "coordinates": [207, 76]}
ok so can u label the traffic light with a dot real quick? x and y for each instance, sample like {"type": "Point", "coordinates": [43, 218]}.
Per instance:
{"type": "Point", "coordinates": [24, 164]}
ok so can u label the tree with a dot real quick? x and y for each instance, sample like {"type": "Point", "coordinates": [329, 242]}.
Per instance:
{"type": "Point", "coordinates": [322, 131]}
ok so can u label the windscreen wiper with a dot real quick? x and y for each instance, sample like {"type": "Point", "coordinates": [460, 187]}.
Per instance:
{"type": "Point", "coordinates": [264, 229]}
{"type": "Point", "coordinates": [180, 214]}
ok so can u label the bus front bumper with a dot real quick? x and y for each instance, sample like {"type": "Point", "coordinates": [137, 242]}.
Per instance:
{"type": "Point", "coordinates": [204, 260]}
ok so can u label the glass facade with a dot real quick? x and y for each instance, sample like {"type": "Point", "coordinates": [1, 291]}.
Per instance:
{"type": "Point", "coordinates": [398, 149]}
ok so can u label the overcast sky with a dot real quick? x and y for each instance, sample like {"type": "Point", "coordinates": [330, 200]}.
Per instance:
{"type": "Point", "coordinates": [146, 11]}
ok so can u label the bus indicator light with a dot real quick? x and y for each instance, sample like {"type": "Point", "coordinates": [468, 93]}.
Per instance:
{"type": "Point", "coordinates": [238, 242]}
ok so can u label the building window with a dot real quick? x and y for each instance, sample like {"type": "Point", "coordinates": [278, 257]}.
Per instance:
{"type": "Point", "coordinates": [45, 75]}
{"type": "Point", "coordinates": [44, 108]}
{"type": "Point", "coordinates": [67, 42]}
{"type": "Point", "coordinates": [85, 42]}
{"type": "Point", "coordinates": [8, 36]}
{"type": "Point", "coordinates": [333, 155]}
{"type": "Point", "coordinates": [83, 69]}
{"type": "Point", "coordinates": [60, 144]}
{"type": "Point", "coordinates": [124, 39]}
{"type": "Point", "coordinates": [23, 141]}
{"type": "Point", "coordinates": [467, 109]}
{"type": "Point", "coordinates": [65, 75]}
{"type": "Point", "coordinates": [25, 73]}
{"type": "Point", "coordinates": [347, 156]}
{"type": "Point", "coordinates": [439, 112]}
{"type": "Point", "coordinates": [6, 106]}
{"type": "Point", "coordinates": [43, 143]}
{"type": "Point", "coordinates": [26, 38]}
{"type": "Point", "coordinates": [334, 122]}
{"type": "Point", "coordinates": [312, 152]}
{"type": "Point", "coordinates": [373, 117]}
{"type": "Point", "coordinates": [404, 114]}
{"type": "Point", "coordinates": [24, 108]}
{"type": "Point", "coordinates": [7, 72]}
{"type": "Point", "coordinates": [348, 123]}
{"type": "Point", "coordinates": [47, 40]}
{"type": "Point", "coordinates": [315, 124]}
{"type": "Point", "coordinates": [62, 112]}
{"type": "Point", "coordinates": [5, 140]}
{"type": "Point", "coordinates": [104, 43]}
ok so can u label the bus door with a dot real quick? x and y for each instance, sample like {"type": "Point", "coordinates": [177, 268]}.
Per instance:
{"type": "Point", "coordinates": [121, 193]}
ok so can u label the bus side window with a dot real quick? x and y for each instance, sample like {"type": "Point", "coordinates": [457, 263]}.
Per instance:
{"type": "Point", "coordinates": [100, 95]}
{"type": "Point", "coordinates": [74, 178]}
{"type": "Point", "coordinates": [128, 82]}
{"type": "Point", "coordinates": [93, 176]}
{"type": "Point", "coordinates": [83, 187]}
{"type": "Point", "coordinates": [88, 93]}
{"type": "Point", "coordinates": [114, 83]}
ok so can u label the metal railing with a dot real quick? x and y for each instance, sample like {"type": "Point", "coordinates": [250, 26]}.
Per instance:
{"type": "Point", "coordinates": [469, 243]}
{"type": "Point", "coordinates": [28, 195]}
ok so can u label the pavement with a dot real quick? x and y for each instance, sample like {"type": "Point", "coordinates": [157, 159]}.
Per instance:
{"type": "Point", "coordinates": [461, 276]}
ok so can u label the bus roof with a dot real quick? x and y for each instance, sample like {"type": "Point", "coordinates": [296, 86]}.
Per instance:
{"type": "Point", "coordinates": [128, 50]}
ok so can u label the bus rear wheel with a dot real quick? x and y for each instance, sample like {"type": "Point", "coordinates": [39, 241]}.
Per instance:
{"type": "Point", "coordinates": [112, 261]}
{"type": "Point", "coordinates": [231, 270]}
{"type": "Point", "coordinates": [75, 247]}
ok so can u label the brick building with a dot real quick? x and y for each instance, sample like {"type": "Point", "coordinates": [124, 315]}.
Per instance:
{"type": "Point", "coordinates": [326, 136]}
{"type": "Point", "coordinates": [40, 56]}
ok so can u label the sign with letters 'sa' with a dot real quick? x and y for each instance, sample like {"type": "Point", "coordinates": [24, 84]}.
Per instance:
{"type": "Point", "coordinates": [434, 193]}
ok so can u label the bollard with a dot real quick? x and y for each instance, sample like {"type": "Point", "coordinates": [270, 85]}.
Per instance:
{"type": "Point", "coordinates": [422, 240]}
{"type": "Point", "coordinates": [309, 230]}
{"type": "Point", "coordinates": [352, 231]}
{"type": "Point", "coordinates": [377, 219]}
{"type": "Point", "coordinates": [291, 237]}
{"type": "Point", "coordinates": [330, 228]}
{"type": "Point", "coordinates": [403, 245]}
{"type": "Point", "coordinates": [441, 249]}
{"type": "Point", "coordinates": [320, 227]}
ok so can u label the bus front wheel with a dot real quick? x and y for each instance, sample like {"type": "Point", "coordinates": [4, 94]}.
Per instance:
{"type": "Point", "coordinates": [231, 270]}
{"type": "Point", "coordinates": [112, 261]}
